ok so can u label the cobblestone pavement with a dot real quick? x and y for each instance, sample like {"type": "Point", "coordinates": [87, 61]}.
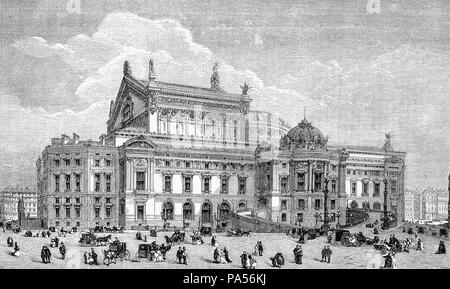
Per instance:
{"type": "Point", "coordinates": [201, 255]}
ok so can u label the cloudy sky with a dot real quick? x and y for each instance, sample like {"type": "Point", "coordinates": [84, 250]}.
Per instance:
{"type": "Point", "coordinates": [359, 72]}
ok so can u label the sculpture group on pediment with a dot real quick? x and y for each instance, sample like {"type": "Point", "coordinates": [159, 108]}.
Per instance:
{"type": "Point", "coordinates": [141, 163]}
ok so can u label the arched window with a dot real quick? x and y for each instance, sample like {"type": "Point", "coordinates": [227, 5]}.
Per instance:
{"type": "Point", "coordinates": [224, 211]}
{"type": "Point", "coordinates": [366, 206]}
{"type": "Point", "coordinates": [377, 206]}
{"type": "Point", "coordinates": [206, 212]}
{"type": "Point", "coordinates": [242, 206]}
{"type": "Point", "coordinates": [167, 212]}
{"type": "Point", "coordinates": [187, 211]}
{"type": "Point", "coordinates": [354, 204]}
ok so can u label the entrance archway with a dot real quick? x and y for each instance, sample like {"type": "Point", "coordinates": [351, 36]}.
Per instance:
{"type": "Point", "coordinates": [224, 211]}
{"type": "Point", "coordinates": [187, 211]}
{"type": "Point", "coordinates": [167, 211]}
{"type": "Point", "coordinates": [366, 206]}
{"type": "Point", "coordinates": [206, 212]}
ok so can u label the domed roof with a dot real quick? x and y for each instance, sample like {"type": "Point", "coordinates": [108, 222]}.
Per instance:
{"type": "Point", "coordinates": [304, 135]}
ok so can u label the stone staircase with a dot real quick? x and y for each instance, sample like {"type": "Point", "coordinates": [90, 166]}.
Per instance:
{"type": "Point", "coordinates": [250, 221]}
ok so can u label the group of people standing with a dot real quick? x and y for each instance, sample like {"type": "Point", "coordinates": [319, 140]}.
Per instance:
{"type": "Point", "coordinates": [182, 255]}
{"type": "Point", "coordinates": [326, 254]}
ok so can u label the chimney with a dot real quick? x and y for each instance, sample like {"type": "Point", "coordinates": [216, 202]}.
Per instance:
{"type": "Point", "coordinates": [76, 138]}
{"type": "Point", "coordinates": [151, 71]}
{"type": "Point", "coordinates": [126, 68]}
{"type": "Point", "coordinates": [64, 139]}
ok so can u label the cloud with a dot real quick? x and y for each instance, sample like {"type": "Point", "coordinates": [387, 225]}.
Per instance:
{"type": "Point", "coordinates": [53, 88]}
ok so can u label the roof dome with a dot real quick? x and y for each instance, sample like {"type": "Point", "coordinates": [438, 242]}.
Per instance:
{"type": "Point", "coordinates": [305, 136]}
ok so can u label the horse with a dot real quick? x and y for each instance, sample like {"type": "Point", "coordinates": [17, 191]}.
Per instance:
{"type": "Point", "coordinates": [103, 240]}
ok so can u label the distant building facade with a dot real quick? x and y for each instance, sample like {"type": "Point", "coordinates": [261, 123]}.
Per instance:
{"type": "Point", "coordinates": [9, 201]}
{"type": "Point", "coordinates": [189, 156]}
{"type": "Point", "coordinates": [428, 205]}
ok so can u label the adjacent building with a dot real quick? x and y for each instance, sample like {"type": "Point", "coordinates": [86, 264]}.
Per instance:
{"type": "Point", "coordinates": [190, 156]}
{"type": "Point", "coordinates": [9, 202]}
{"type": "Point", "coordinates": [428, 205]}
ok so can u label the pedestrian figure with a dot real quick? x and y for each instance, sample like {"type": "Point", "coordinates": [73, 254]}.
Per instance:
{"type": "Point", "coordinates": [328, 254]}
{"type": "Point", "coordinates": [44, 255]}
{"type": "Point", "coordinates": [244, 257]}
{"type": "Point", "coordinates": [213, 241]}
{"type": "Point", "coordinates": [179, 255]}
{"type": "Point", "coordinates": [62, 250]}
{"type": "Point", "coordinates": [16, 249]}
{"type": "Point", "coordinates": [185, 256]}
{"type": "Point", "coordinates": [94, 258]}
{"type": "Point", "coordinates": [252, 262]}
{"type": "Point", "coordinates": [85, 256]}
{"type": "Point", "coordinates": [298, 254]}
{"type": "Point", "coordinates": [227, 257]}
{"type": "Point", "coordinates": [260, 248]}
{"type": "Point", "coordinates": [324, 254]}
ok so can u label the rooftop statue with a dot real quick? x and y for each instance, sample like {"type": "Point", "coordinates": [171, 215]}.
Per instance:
{"type": "Point", "coordinates": [245, 88]}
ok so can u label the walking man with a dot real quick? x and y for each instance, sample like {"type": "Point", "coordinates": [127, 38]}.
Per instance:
{"type": "Point", "coordinates": [324, 254]}
{"type": "Point", "coordinates": [328, 254]}
{"type": "Point", "coordinates": [62, 250]}
{"type": "Point", "coordinates": [179, 255]}
{"type": "Point", "coordinates": [185, 256]}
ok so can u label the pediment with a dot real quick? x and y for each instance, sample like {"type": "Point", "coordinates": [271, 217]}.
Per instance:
{"type": "Point", "coordinates": [140, 142]}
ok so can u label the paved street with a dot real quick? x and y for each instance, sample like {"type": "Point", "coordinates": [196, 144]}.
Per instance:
{"type": "Point", "coordinates": [201, 255]}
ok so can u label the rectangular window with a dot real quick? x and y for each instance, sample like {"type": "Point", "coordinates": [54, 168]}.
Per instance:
{"type": "Point", "coordinates": [188, 165]}
{"type": "Point", "coordinates": [167, 183]}
{"type": "Point", "coordinates": [97, 182]}
{"type": "Point", "coordinates": [78, 162]}
{"type": "Point", "coordinates": [284, 184]}
{"type": "Point", "coordinates": [57, 212]}
{"type": "Point", "coordinates": [242, 185]}
{"type": "Point", "coordinates": [283, 204]}
{"type": "Point", "coordinates": [108, 163]}
{"type": "Point", "coordinates": [365, 192]}
{"type": "Point", "coordinates": [78, 182]}
{"type": "Point", "coordinates": [187, 184]}
{"type": "Point", "coordinates": [108, 212]}
{"type": "Point", "coordinates": [56, 200]}
{"type": "Point", "coordinates": [68, 200]}
{"type": "Point", "coordinates": [333, 204]}
{"type": "Point", "coordinates": [317, 204]}
{"type": "Point", "coordinates": [97, 199]}
{"type": "Point", "coordinates": [300, 181]}
{"type": "Point", "coordinates": [224, 185]}
{"type": "Point", "coordinates": [67, 212]}
{"type": "Point", "coordinates": [206, 184]}
{"type": "Point", "coordinates": [317, 181]}
{"type": "Point", "coordinates": [97, 213]}
{"type": "Point", "coordinates": [67, 162]}
{"type": "Point", "coordinates": [140, 213]}
{"type": "Point", "coordinates": [56, 163]}
{"type": "Point", "coordinates": [181, 128]}
{"type": "Point", "coordinates": [108, 200]}
{"type": "Point", "coordinates": [235, 124]}
{"type": "Point", "coordinates": [57, 183]}
{"type": "Point", "coordinates": [67, 182]}
{"type": "Point", "coordinates": [283, 217]}
{"type": "Point", "coordinates": [77, 212]}
{"type": "Point", "coordinates": [140, 180]}
{"type": "Point", "coordinates": [333, 186]}
{"type": "Point", "coordinates": [301, 204]}
{"type": "Point", "coordinates": [206, 166]}
{"type": "Point", "coordinates": [77, 200]}
{"type": "Point", "coordinates": [353, 189]}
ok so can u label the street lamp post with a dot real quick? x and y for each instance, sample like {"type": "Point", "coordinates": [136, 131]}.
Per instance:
{"type": "Point", "coordinates": [325, 207]}
{"type": "Point", "coordinates": [316, 215]}
{"type": "Point", "coordinates": [385, 211]}
{"type": "Point", "coordinates": [338, 215]}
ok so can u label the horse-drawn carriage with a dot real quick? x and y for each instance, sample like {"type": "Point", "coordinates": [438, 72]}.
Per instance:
{"type": "Point", "coordinates": [177, 237]}
{"type": "Point", "coordinates": [152, 252]}
{"type": "Point", "coordinates": [205, 230]}
{"type": "Point", "coordinates": [238, 233]}
{"type": "Point", "coordinates": [116, 250]}
{"type": "Point", "coordinates": [89, 239]}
